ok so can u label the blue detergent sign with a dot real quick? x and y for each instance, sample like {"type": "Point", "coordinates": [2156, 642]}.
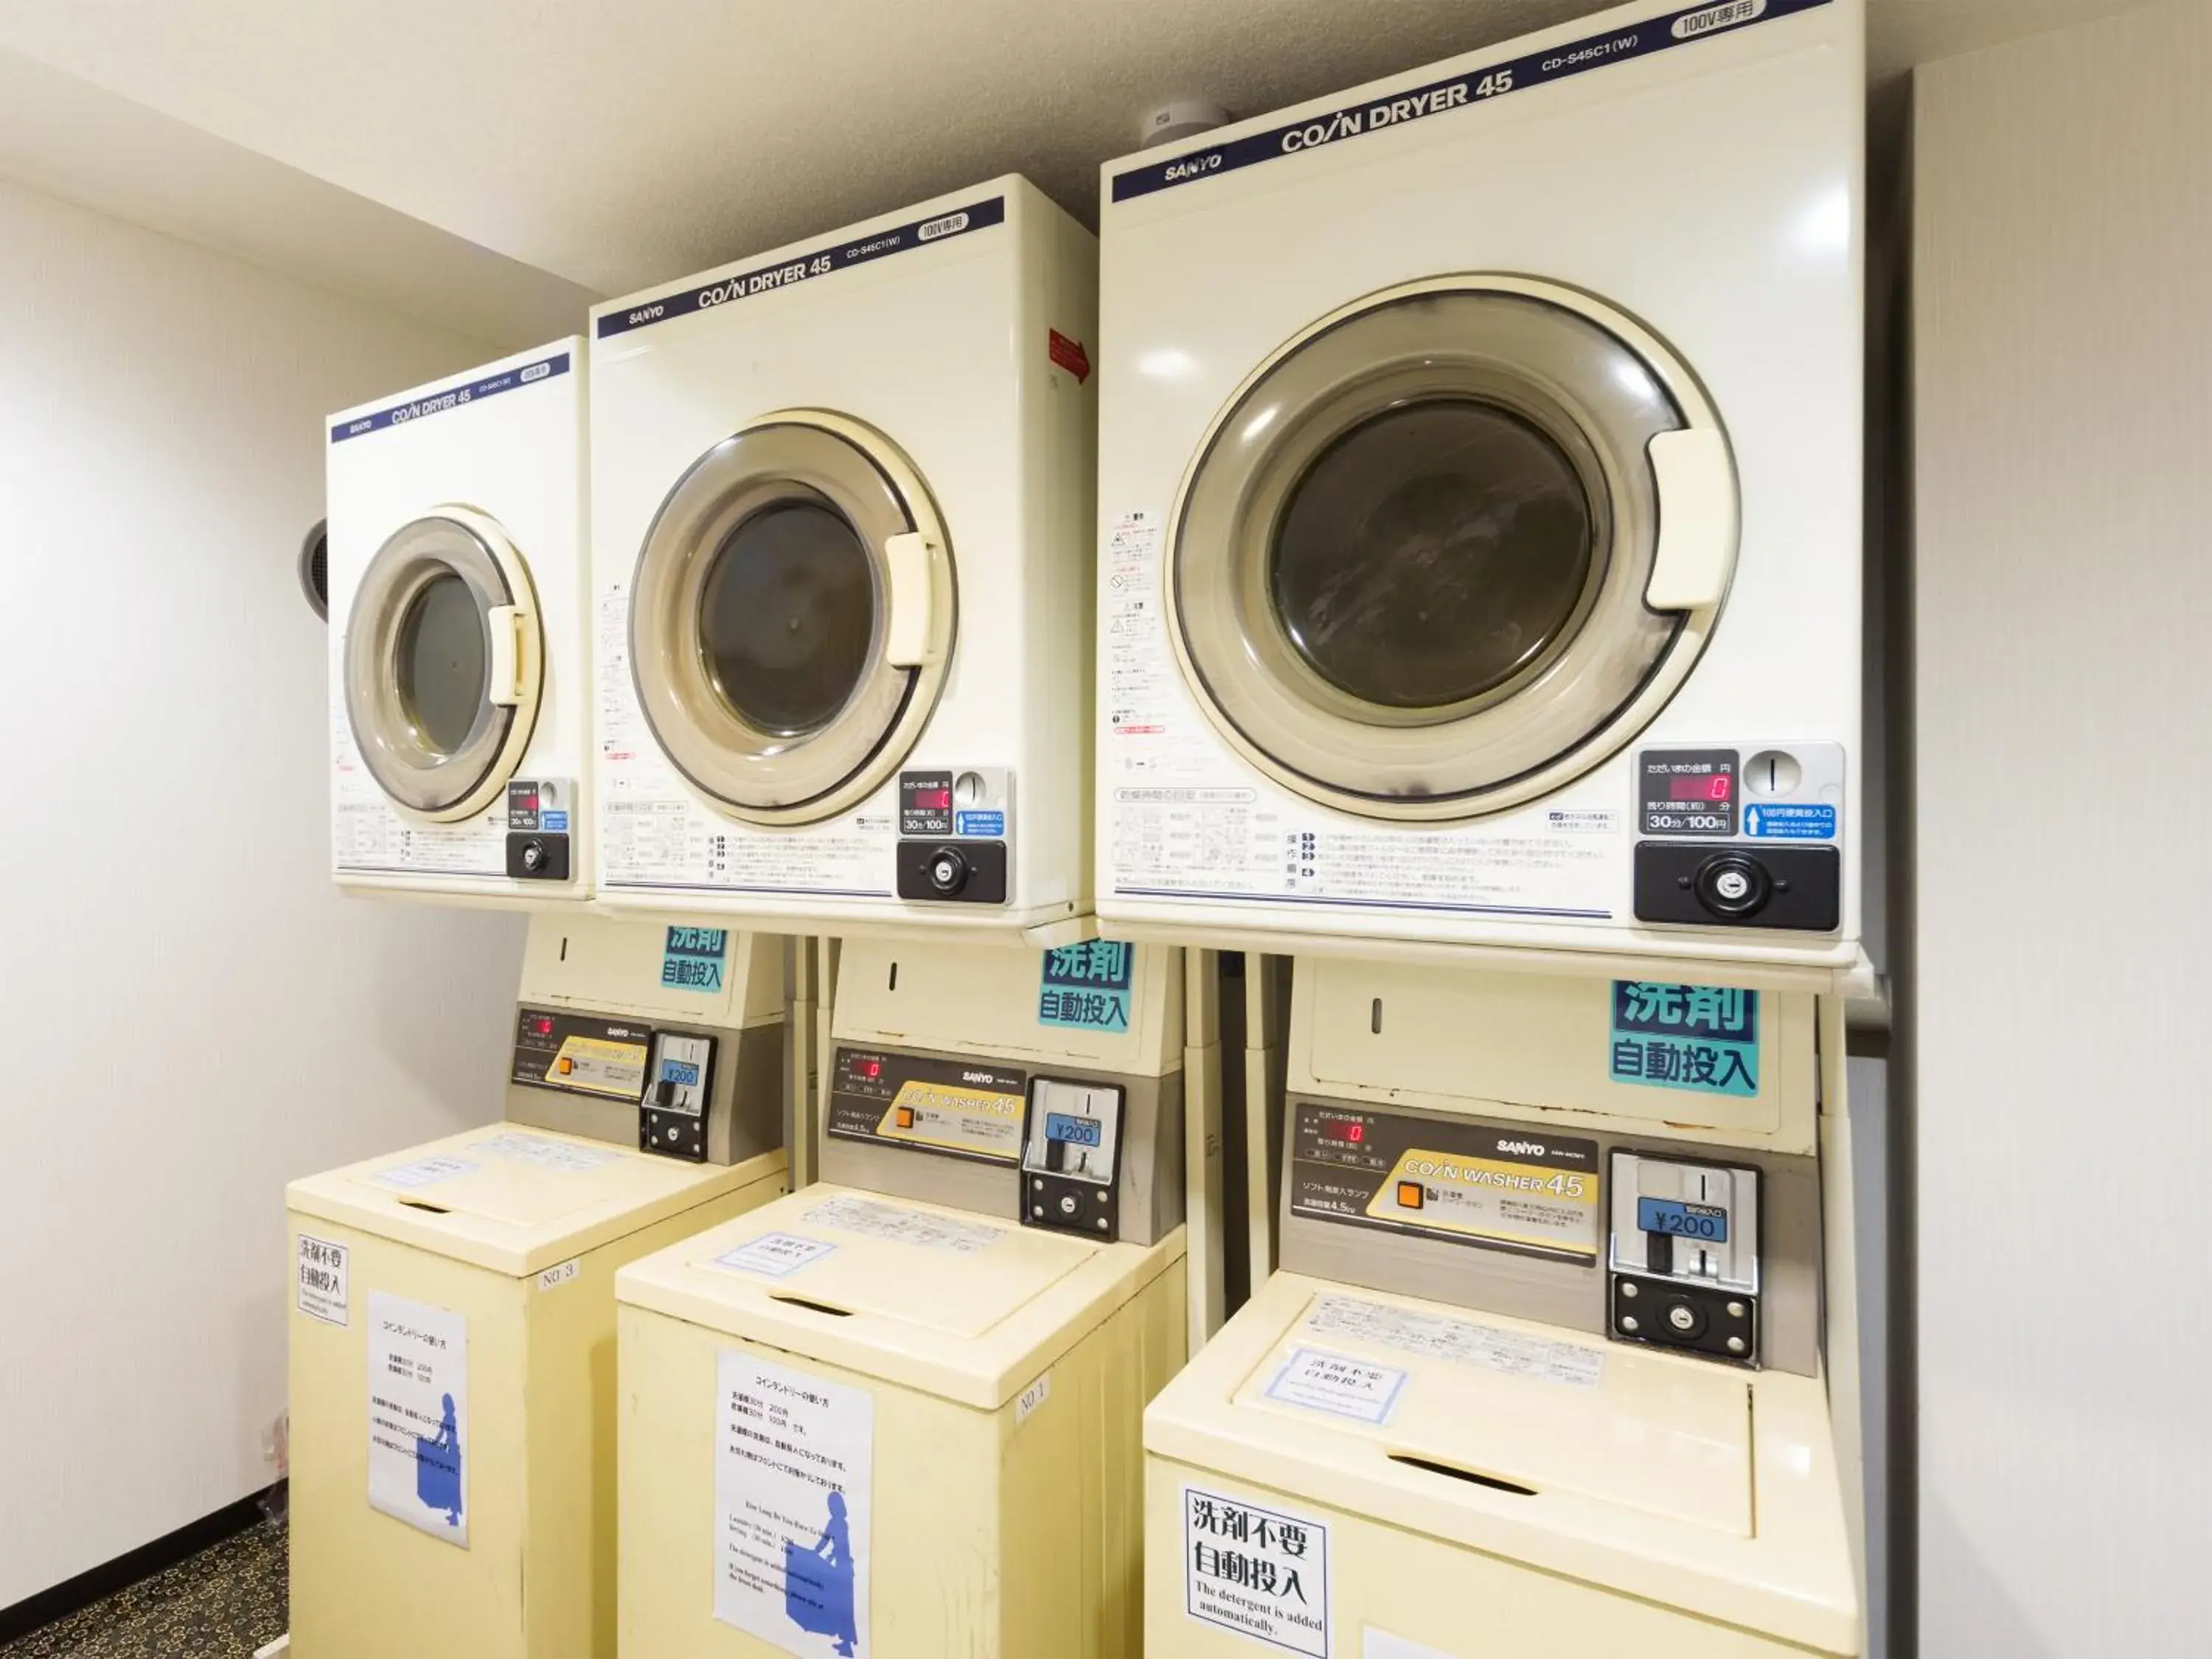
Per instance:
{"type": "Point", "coordinates": [693, 959]}
{"type": "Point", "coordinates": [1790, 821]}
{"type": "Point", "coordinates": [1704, 1038]}
{"type": "Point", "coordinates": [1086, 987]}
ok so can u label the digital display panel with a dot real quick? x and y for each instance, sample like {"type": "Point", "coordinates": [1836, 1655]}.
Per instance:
{"type": "Point", "coordinates": [1715, 786]}
{"type": "Point", "coordinates": [1705, 1223]}
{"type": "Point", "coordinates": [679, 1072]}
{"type": "Point", "coordinates": [1075, 1131]}
{"type": "Point", "coordinates": [935, 800]}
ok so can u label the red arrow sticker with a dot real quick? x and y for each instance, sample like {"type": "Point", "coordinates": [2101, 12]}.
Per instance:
{"type": "Point", "coordinates": [1071, 356]}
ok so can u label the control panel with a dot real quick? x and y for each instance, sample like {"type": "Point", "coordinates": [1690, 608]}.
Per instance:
{"type": "Point", "coordinates": [1071, 1156]}
{"type": "Point", "coordinates": [1684, 1261]}
{"type": "Point", "coordinates": [672, 1120]}
{"type": "Point", "coordinates": [668, 1076]}
{"type": "Point", "coordinates": [956, 1108]}
{"type": "Point", "coordinates": [537, 832]}
{"type": "Point", "coordinates": [956, 827]}
{"type": "Point", "coordinates": [1743, 836]}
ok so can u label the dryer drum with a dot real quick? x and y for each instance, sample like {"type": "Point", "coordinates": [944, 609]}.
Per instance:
{"type": "Point", "coordinates": [1410, 570]}
{"type": "Point", "coordinates": [791, 618]}
{"type": "Point", "coordinates": [443, 662]}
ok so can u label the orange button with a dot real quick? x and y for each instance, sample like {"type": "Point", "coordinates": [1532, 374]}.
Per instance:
{"type": "Point", "coordinates": [565, 1066]}
{"type": "Point", "coordinates": [905, 1117]}
{"type": "Point", "coordinates": [1410, 1195]}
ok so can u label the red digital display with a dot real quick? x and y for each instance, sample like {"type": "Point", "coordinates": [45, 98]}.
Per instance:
{"type": "Point", "coordinates": [1347, 1129]}
{"type": "Point", "coordinates": [1712, 787]}
{"type": "Point", "coordinates": [542, 1026]}
{"type": "Point", "coordinates": [935, 800]}
{"type": "Point", "coordinates": [869, 1067]}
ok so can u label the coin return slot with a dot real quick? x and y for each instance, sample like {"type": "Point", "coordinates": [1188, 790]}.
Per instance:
{"type": "Point", "coordinates": [418, 1204]}
{"type": "Point", "coordinates": [811, 1307]}
{"type": "Point", "coordinates": [1375, 1018]}
{"type": "Point", "coordinates": [1468, 1475]}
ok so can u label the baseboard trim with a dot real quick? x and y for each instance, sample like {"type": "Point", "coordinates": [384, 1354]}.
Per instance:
{"type": "Point", "coordinates": [73, 1595]}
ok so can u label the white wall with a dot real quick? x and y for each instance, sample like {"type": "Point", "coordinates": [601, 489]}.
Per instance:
{"type": "Point", "coordinates": [189, 1015]}
{"type": "Point", "coordinates": [2063, 784]}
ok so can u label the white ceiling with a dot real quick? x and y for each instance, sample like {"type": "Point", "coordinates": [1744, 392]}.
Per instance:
{"type": "Point", "coordinates": [614, 145]}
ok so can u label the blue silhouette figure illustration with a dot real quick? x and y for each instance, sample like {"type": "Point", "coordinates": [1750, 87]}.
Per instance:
{"type": "Point", "coordinates": [438, 1468]}
{"type": "Point", "coordinates": [818, 1582]}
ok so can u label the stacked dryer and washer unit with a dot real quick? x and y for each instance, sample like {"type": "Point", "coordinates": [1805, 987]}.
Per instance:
{"type": "Point", "coordinates": [841, 563]}
{"type": "Point", "coordinates": [1479, 596]}
{"type": "Point", "coordinates": [452, 1406]}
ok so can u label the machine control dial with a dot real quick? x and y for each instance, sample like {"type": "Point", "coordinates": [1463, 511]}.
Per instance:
{"type": "Point", "coordinates": [1733, 885]}
{"type": "Point", "coordinates": [948, 871]}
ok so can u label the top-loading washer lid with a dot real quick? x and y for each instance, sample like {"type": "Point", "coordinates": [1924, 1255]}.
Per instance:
{"type": "Point", "coordinates": [1491, 1400]}
{"type": "Point", "coordinates": [444, 664]}
{"type": "Point", "coordinates": [1451, 547]}
{"type": "Point", "coordinates": [1659, 1476]}
{"type": "Point", "coordinates": [791, 616]}
{"type": "Point", "coordinates": [962, 1305]}
{"type": "Point", "coordinates": [514, 1200]}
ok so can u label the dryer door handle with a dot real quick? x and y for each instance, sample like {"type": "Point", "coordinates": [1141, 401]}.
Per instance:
{"type": "Point", "coordinates": [908, 641]}
{"type": "Point", "coordinates": [1698, 524]}
{"type": "Point", "coordinates": [505, 623]}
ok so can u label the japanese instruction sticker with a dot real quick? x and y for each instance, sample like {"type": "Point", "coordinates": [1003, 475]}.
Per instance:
{"type": "Point", "coordinates": [793, 1466]}
{"type": "Point", "coordinates": [693, 959]}
{"type": "Point", "coordinates": [323, 1279]}
{"type": "Point", "coordinates": [426, 1171]}
{"type": "Point", "coordinates": [1258, 1572]}
{"type": "Point", "coordinates": [1700, 1037]}
{"type": "Point", "coordinates": [1315, 1380]}
{"type": "Point", "coordinates": [418, 1415]}
{"type": "Point", "coordinates": [1086, 987]}
{"type": "Point", "coordinates": [775, 1256]}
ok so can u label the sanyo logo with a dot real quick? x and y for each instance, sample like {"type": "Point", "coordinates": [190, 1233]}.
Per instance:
{"type": "Point", "coordinates": [933, 228]}
{"type": "Point", "coordinates": [977, 1076]}
{"type": "Point", "coordinates": [1690, 25]}
{"type": "Point", "coordinates": [1526, 1148]}
{"type": "Point", "coordinates": [535, 371]}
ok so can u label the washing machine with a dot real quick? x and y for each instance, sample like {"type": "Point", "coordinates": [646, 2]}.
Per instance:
{"type": "Point", "coordinates": [1480, 490]}
{"type": "Point", "coordinates": [898, 1413]}
{"type": "Point", "coordinates": [1545, 1368]}
{"type": "Point", "coordinates": [459, 679]}
{"type": "Point", "coordinates": [842, 510]}
{"type": "Point", "coordinates": [453, 1326]}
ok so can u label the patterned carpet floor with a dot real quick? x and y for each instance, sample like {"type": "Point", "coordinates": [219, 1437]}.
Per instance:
{"type": "Point", "coordinates": [222, 1604]}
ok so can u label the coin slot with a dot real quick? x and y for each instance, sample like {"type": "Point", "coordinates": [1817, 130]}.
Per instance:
{"type": "Point", "coordinates": [1457, 1474]}
{"type": "Point", "coordinates": [894, 981]}
{"type": "Point", "coordinates": [1375, 1018]}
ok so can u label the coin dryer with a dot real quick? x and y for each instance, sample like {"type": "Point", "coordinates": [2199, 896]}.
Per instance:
{"type": "Point", "coordinates": [460, 679]}
{"type": "Point", "coordinates": [1543, 1355]}
{"type": "Point", "coordinates": [452, 1379]}
{"type": "Point", "coordinates": [1480, 489]}
{"type": "Point", "coordinates": [842, 532]}
{"type": "Point", "coordinates": [898, 1412]}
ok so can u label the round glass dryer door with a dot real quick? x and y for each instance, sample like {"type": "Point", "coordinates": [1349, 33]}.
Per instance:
{"type": "Point", "coordinates": [791, 616]}
{"type": "Point", "coordinates": [1451, 547]}
{"type": "Point", "coordinates": [444, 662]}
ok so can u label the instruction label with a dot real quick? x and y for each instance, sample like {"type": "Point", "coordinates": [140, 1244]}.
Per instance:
{"type": "Point", "coordinates": [322, 1272]}
{"type": "Point", "coordinates": [693, 959]}
{"type": "Point", "coordinates": [1086, 987]}
{"type": "Point", "coordinates": [775, 1256]}
{"type": "Point", "coordinates": [1259, 1572]}
{"type": "Point", "coordinates": [1316, 1380]}
{"type": "Point", "coordinates": [794, 1465]}
{"type": "Point", "coordinates": [1467, 1183]}
{"type": "Point", "coordinates": [930, 1232]}
{"type": "Point", "coordinates": [418, 1415]}
{"type": "Point", "coordinates": [426, 1171]}
{"type": "Point", "coordinates": [1463, 1342]}
{"type": "Point", "coordinates": [545, 1153]}
{"type": "Point", "coordinates": [1704, 1038]}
